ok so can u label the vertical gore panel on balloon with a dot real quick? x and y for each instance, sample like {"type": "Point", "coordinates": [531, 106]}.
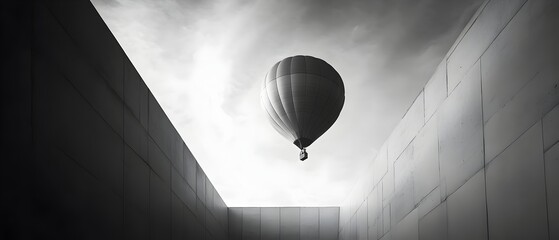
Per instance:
{"type": "Point", "coordinates": [324, 69]}
{"type": "Point", "coordinates": [320, 102]}
{"type": "Point", "coordinates": [272, 113]}
{"type": "Point", "coordinates": [313, 65]}
{"type": "Point", "coordinates": [298, 91]}
{"type": "Point", "coordinates": [272, 74]}
{"type": "Point", "coordinates": [329, 73]}
{"type": "Point", "coordinates": [306, 112]}
{"type": "Point", "coordinates": [315, 94]}
{"type": "Point", "coordinates": [276, 103]}
{"type": "Point", "coordinates": [284, 67]}
{"type": "Point", "coordinates": [263, 85]}
{"type": "Point", "coordinates": [298, 64]}
{"type": "Point", "coordinates": [330, 115]}
{"type": "Point", "coordinates": [329, 110]}
{"type": "Point", "coordinates": [273, 116]}
{"type": "Point", "coordinates": [286, 97]}
{"type": "Point", "coordinates": [279, 129]}
{"type": "Point", "coordinates": [337, 104]}
{"type": "Point", "coordinates": [301, 102]}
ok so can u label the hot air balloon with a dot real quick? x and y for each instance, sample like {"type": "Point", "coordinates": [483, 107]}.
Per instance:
{"type": "Point", "coordinates": [303, 96]}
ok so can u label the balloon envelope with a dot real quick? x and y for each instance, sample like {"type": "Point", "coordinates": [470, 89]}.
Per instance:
{"type": "Point", "coordinates": [303, 96]}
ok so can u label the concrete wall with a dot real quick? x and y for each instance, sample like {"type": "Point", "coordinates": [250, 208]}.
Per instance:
{"type": "Point", "coordinates": [285, 223]}
{"type": "Point", "coordinates": [476, 155]}
{"type": "Point", "coordinates": [87, 150]}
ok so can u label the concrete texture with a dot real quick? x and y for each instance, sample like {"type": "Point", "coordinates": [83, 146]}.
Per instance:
{"type": "Point", "coordinates": [475, 155]}
{"type": "Point", "coordinates": [92, 154]}
{"type": "Point", "coordinates": [89, 153]}
{"type": "Point", "coordinates": [288, 223]}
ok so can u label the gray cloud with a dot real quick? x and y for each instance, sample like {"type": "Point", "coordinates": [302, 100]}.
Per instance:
{"type": "Point", "coordinates": [205, 60]}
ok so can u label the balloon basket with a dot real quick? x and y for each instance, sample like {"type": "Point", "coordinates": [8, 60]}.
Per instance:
{"type": "Point", "coordinates": [303, 154]}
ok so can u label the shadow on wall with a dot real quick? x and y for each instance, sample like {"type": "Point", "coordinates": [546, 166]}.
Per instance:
{"type": "Point", "coordinates": [88, 151]}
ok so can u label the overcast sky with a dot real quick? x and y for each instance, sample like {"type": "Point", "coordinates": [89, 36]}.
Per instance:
{"type": "Point", "coordinates": [204, 61]}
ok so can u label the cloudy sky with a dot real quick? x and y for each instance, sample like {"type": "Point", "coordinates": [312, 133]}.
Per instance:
{"type": "Point", "coordinates": [204, 61]}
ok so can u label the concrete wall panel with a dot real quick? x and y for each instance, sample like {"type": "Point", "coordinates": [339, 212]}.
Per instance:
{"type": "Point", "coordinates": [408, 228]}
{"type": "Point", "coordinates": [429, 202]}
{"type": "Point", "coordinates": [387, 185]}
{"type": "Point", "coordinates": [519, 75]}
{"type": "Point", "coordinates": [135, 93]}
{"type": "Point", "coordinates": [136, 224]}
{"type": "Point", "coordinates": [386, 224]}
{"type": "Point", "coordinates": [177, 218]}
{"type": "Point", "coordinates": [426, 160]}
{"type": "Point", "coordinates": [251, 223]}
{"type": "Point", "coordinates": [164, 133]}
{"type": "Point", "coordinates": [290, 223]}
{"type": "Point", "coordinates": [200, 183]}
{"type": "Point", "coordinates": [461, 133]}
{"type": "Point", "coordinates": [492, 19]}
{"type": "Point", "coordinates": [498, 80]}
{"type": "Point", "coordinates": [309, 223]}
{"type": "Point", "coordinates": [182, 190]}
{"type": "Point", "coordinates": [403, 200]}
{"type": "Point", "coordinates": [108, 163]}
{"type": "Point", "coordinates": [551, 128]}
{"type": "Point", "coordinates": [209, 200]}
{"type": "Point", "coordinates": [63, 187]}
{"type": "Point", "coordinates": [136, 181]}
{"type": "Point", "coordinates": [98, 168]}
{"type": "Point", "coordinates": [103, 53]}
{"type": "Point", "coordinates": [287, 223]}
{"type": "Point", "coordinates": [434, 225]}
{"type": "Point", "coordinates": [516, 198]}
{"type": "Point", "coordinates": [408, 127]}
{"type": "Point", "coordinates": [552, 187]}
{"type": "Point", "coordinates": [190, 169]}
{"type": "Point", "coordinates": [135, 134]}
{"type": "Point", "coordinates": [328, 222]}
{"type": "Point", "coordinates": [380, 165]}
{"type": "Point", "coordinates": [194, 230]}
{"type": "Point", "coordinates": [270, 223]}
{"type": "Point", "coordinates": [158, 161]}
{"type": "Point", "coordinates": [374, 210]}
{"type": "Point", "coordinates": [467, 212]}
{"type": "Point", "coordinates": [201, 212]}
{"type": "Point", "coordinates": [70, 123]}
{"type": "Point", "coordinates": [52, 39]}
{"type": "Point", "coordinates": [361, 222]}
{"type": "Point", "coordinates": [159, 208]}
{"type": "Point", "coordinates": [235, 223]}
{"type": "Point", "coordinates": [435, 90]}
{"type": "Point", "coordinates": [352, 227]}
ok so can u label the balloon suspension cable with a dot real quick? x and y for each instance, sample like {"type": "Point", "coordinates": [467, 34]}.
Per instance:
{"type": "Point", "coordinates": [303, 154]}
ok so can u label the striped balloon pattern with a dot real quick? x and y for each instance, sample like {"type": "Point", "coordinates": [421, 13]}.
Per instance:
{"type": "Point", "coordinates": [303, 96]}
